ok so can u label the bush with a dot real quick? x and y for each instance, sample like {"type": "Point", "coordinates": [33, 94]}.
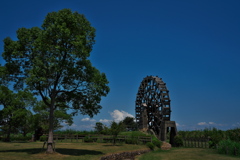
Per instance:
{"type": "Point", "coordinates": [233, 134]}
{"type": "Point", "coordinates": [131, 141]}
{"type": "Point", "coordinates": [157, 142]}
{"type": "Point", "coordinates": [150, 145]}
{"type": "Point", "coordinates": [43, 138]}
{"type": "Point", "coordinates": [88, 139]}
{"type": "Point", "coordinates": [229, 147]}
{"type": "Point", "coordinates": [20, 138]}
{"type": "Point", "coordinates": [215, 137]}
{"type": "Point", "coordinates": [178, 141]}
{"type": "Point", "coordinates": [99, 140]}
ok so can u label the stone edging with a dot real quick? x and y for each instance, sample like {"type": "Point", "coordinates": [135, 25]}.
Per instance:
{"type": "Point", "coordinates": [124, 155]}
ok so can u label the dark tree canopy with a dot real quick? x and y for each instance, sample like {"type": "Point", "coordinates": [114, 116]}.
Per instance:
{"type": "Point", "coordinates": [129, 124]}
{"type": "Point", "coordinates": [99, 127]}
{"type": "Point", "coordinates": [52, 62]}
{"type": "Point", "coordinates": [14, 115]}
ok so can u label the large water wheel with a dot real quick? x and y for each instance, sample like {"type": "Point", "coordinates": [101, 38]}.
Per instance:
{"type": "Point", "coordinates": [153, 109]}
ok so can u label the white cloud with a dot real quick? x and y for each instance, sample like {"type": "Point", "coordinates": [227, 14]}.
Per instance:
{"type": "Point", "coordinates": [202, 123]}
{"type": "Point", "coordinates": [180, 125]}
{"type": "Point", "coordinates": [88, 119]}
{"type": "Point", "coordinates": [236, 124]}
{"type": "Point", "coordinates": [73, 125]}
{"type": "Point", "coordinates": [211, 123]}
{"type": "Point", "coordinates": [119, 115]}
{"type": "Point", "coordinates": [104, 120]}
{"type": "Point", "coordinates": [67, 126]}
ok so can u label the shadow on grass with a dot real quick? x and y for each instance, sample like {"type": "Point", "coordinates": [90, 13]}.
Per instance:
{"type": "Point", "coordinates": [64, 151]}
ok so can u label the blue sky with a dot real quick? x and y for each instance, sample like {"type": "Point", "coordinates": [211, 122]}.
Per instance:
{"type": "Point", "coordinates": [194, 46]}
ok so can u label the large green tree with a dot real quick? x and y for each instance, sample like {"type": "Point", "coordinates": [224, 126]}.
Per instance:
{"type": "Point", "coordinates": [52, 61]}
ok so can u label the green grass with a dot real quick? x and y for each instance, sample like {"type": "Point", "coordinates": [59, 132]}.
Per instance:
{"type": "Point", "coordinates": [185, 154]}
{"type": "Point", "coordinates": [134, 133]}
{"type": "Point", "coordinates": [65, 151]}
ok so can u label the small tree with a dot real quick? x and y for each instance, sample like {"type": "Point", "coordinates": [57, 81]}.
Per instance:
{"type": "Point", "coordinates": [115, 129]}
{"type": "Point", "coordinates": [129, 124]}
{"type": "Point", "coordinates": [99, 127]}
{"type": "Point", "coordinates": [52, 62]}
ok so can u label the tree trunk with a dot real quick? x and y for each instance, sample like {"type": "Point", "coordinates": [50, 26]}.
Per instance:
{"type": "Point", "coordinates": [8, 133]}
{"type": "Point", "coordinates": [50, 134]}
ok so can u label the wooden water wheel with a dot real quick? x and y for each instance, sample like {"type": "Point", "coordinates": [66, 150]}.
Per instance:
{"type": "Point", "coordinates": [153, 107]}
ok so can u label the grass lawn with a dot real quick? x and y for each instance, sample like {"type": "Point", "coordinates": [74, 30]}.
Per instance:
{"type": "Point", "coordinates": [65, 150]}
{"type": "Point", "coordinates": [185, 154]}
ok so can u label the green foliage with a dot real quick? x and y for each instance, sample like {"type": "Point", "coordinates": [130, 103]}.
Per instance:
{"type": "Point", "coordinates": [99, 140]}
{"type": "Point", "coordinates": [88, 139]}
{"type": "Point", "coordinates": [150, 145]}
{"type": "Point", "coordinates": [215, 137]}
{"type": "Point", "coordinates": [134, 133]}
{"type": "Point", "coordinates": [41, 118]}
{"type": "Point", "coordinates": [43, 138]}
{"type": "Point", "coordinates": [99, 127]}
{"type": "Point", "coordinates": [133, 136]}
{"type": "Point", "coordinates": [53, 62]}
{"type": "Point", "coordinates": [213, 134]}
{"type": "Point", "coordinates": [20, 137]}
{"type": "Point", "coordinates": [106, 130]}
{"type": "Point", "coordinates": [229, 147]}
{"type": "Point", "coordinates": [129, 124]}
{"type": "Point", "coordinates": [14, 116]}
{"type": "Point", "coordinates": [72, 131]}
{"type": "Point", "coordinates": [115, 129]}
{"type": "Point", "coordinates": [157, 142]}
{"type": "Point", "coordinates": [233, 134]}
{"type": "Point", "coordinates": [178, 140]}
{"type": "Point", "coordinates": [131, 140]}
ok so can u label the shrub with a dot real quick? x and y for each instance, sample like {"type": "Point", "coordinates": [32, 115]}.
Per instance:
{"type": "Point", "coordinates": [150, 145]}
{"type": "Point", "coordinates": [157, 142]}
{"type": "Point", "coordinates": [215, 137]}
{"type": "Point", "coordinates": [233, 134]}
{"type": "Point", "coordinates": [131, 141]}
{"type": "Point", "coordinates": [229, 147]}
{"type": "Point", "coordinates": [88, 139]}
{"type": "Point", "coordinates": [43, 138]}
{"type": "Point", "coordinates": [178, 141]}
{"type": "Point", "coordinates": [20, 138]}
{"type": "Point", "coordinates": [99, 140]}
